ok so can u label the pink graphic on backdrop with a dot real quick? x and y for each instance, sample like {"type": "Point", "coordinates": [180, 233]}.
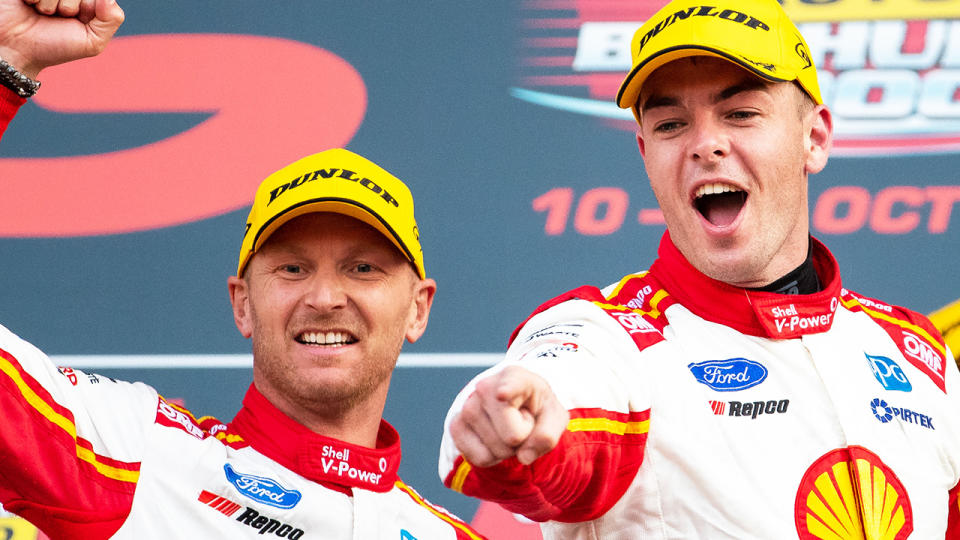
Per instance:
{"type": "Point", "coordinates": [271, 102]}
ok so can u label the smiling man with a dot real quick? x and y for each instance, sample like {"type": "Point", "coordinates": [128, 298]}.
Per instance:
{"type": "Point", "coordinates": [736, 389]}
{"type": "Point", "coordinates": [330, 282]}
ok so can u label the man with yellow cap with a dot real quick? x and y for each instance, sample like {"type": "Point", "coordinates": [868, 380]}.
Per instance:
{"type": "Point", "coordinates": [330, 282]}
{"type": "Point", "coordinates": [735, 390]}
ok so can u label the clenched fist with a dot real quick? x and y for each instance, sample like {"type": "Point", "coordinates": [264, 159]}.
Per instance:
{"type": "Point", "coordinates": [511, 413]}
{"type": "Point", "coordinates": [35, 34]}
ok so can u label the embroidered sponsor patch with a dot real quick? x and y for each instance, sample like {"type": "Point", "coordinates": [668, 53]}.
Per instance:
{"type": "Point", "coordinates": [888, 373]}
{"type": "Point", "coordinates": [749, 409]}
{"type": "Point", "coordinates": [852, 491]}
{"type": "Point", "coordinates": [250, 517]}
{"type": "Point", "coordinates": [262, 490]}
{"type": "Point", "coordinates": [729, 375]}
{"type": "Point", "coordinates": [885, 413]}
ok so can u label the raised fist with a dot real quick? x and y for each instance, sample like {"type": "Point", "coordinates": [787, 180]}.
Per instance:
{"type": "Point", "coordinates": [35, 34]}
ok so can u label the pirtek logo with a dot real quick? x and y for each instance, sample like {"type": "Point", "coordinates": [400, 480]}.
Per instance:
{"type": "Point", "coordinates": [703, 11]}
{"type": "Point", "coordinates": [885, 413]}
{"type": "Point", "coordinates": [329, 173]}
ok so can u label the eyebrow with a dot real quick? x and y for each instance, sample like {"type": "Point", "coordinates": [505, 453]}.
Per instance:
{"type": "Point", "coordinates": [746, 85]}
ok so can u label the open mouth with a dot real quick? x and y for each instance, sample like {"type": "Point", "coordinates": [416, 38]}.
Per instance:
{"type": "Point", "coordinates": [326, 339]}
{"type": "Point", "coordinates": [718, 203]}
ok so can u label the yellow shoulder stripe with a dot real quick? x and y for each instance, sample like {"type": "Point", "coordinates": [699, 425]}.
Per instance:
{"type": "Point", "coordinates": [902, 324]}
{"type": "Point", "coordinates": [65, 424]}
{"type": "Point", "coordinates": [449, 519]}
{"type": "Point", "coordinates": [654, 305]}
{"type": "Point", "coordinates": [623, 281]}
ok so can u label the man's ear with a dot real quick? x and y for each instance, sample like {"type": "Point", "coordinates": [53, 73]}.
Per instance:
{"type": "Point", "coordinates": [818, 138]}
{"type": "Point", "coordinates": [643, 149]}
{"type": "Point", "coordinates": [239, 291]}
{"type": "Point", "coordinates": [423, 293]}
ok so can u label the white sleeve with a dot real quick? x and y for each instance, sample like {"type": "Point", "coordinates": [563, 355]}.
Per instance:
{"type": "Point", "coordinates": [63, 429]}
{"type": "Point", "coordinates": [582, 352]}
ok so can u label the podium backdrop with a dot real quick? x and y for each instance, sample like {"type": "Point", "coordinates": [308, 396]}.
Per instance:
{"type": "Point", "coordinates": [127, 179]}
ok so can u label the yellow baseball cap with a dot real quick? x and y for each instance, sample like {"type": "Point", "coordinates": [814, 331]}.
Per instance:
{"type": "Point", "coordinates": [338, 181]}
{"type": "Point", "coordinates": [755, 34]}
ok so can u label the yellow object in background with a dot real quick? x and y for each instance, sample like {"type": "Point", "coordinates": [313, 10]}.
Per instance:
{"type": "Point", "coordinates": [947, 320]}
{"type": "Point", "coordinates": [14, 528]}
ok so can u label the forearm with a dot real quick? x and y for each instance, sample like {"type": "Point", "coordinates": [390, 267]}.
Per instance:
{"type": "Point", "coordinates": [579, 480]}
{"type": "Point", "coordinates": [601, 448]}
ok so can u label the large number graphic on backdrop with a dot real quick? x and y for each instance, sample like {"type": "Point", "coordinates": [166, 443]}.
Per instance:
{"type": "Point", "coordinates": [264, 107]}
{"type": "Point", "coordinates": [888, 69]}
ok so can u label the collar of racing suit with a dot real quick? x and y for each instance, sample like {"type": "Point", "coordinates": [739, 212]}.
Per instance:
{"type": "Point", "coordinates": [752, 312]}
{"type": "Point", "coordinates": [313, 456]}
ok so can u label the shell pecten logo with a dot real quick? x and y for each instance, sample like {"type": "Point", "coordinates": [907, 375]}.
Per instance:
{"type": "Point", "coordinates": [849, 493]}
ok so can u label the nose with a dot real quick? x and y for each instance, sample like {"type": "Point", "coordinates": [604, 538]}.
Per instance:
{"type": "Point", "coordinates": [326, 293]}
{"type": "Point", "coordinates": [710, 141]}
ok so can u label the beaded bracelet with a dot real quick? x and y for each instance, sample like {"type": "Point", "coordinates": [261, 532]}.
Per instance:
{"type": "Point", "coordinates": [18, 82]}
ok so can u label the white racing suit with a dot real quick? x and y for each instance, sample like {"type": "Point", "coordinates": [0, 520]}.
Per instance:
{"type": "Point", "coordinates": [86, 457]}
{"type": "Point", "coordinates": [702, 410]}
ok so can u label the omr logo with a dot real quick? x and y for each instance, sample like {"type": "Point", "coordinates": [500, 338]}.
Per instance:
{"type": "Point", "coordinates": [300, 100]}
{"type": "Point", "coordinates": [892, 82]}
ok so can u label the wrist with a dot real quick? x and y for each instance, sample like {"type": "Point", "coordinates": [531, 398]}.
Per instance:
{"type": "Point", "coordinates": [22, 81]}
{"type": "Point", "coordinates": [19, 61]}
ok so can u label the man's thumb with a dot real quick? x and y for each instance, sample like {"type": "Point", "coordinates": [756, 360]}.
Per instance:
{"type": "Point", "coordinates": [109, 17]}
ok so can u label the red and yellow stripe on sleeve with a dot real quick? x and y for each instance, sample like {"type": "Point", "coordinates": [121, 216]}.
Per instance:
{"type": "Point", "coordinates": [592, 466]}
{"type": "Point", "coordinates": [47, 468]}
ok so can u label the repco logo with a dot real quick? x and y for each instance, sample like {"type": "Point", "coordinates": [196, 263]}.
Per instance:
{"type": "Point", "coordinates": [750, 409]}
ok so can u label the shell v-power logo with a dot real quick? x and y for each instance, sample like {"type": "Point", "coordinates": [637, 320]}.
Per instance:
{"type": "Point", "coordinates": [263, 107]}
{"type": "Point", "coordinates": [888, 69]}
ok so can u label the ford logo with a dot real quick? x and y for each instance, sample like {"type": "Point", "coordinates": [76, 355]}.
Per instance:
{"type": "Point", "coordinates": [263, 490]}
{"type": "Point", "coordinates": [729, 375]}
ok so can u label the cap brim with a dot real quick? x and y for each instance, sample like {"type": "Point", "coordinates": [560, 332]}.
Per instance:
{"type": "Point", "coordinates": [629, 91]}
{"type": "Point", "coordinates": [338, 205]}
